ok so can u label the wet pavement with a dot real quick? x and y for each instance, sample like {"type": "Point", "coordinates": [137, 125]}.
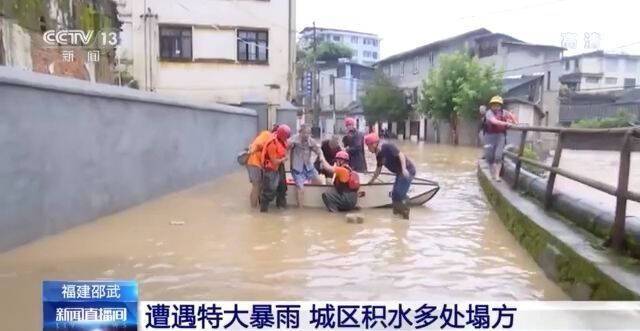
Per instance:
{"type": "Point", "coordinates": [206, 243]}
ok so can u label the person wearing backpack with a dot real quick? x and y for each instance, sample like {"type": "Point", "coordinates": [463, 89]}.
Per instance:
{"type": "Point", "coordinates": [346, 183]}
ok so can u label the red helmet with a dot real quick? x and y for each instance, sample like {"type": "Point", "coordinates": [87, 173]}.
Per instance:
{"type": "Point", "coordinates": [371, 138]}
{"type": "Point", "coordinates": [349, 121]}
{"type": "Point", "coordinates": [283, 132]}
{"type": "Point", "coordinates": [342, 155]}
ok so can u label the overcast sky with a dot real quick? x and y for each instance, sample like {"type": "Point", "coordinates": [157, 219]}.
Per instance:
{"type": "Point", "coordinates": [406, 24]}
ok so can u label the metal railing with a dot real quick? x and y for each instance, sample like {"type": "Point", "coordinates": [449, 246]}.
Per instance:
{"type": "Point", "coordinates": [624, 140]}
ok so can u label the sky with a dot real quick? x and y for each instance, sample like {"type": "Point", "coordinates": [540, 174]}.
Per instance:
{"type": "Point", "coordinates": [405, 24]}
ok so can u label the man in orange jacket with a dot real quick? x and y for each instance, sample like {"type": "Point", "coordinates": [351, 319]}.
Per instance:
{"type": "Point", "coordinates": [274, 155]}
{"type": "Point", "coordinates": [254, 165]}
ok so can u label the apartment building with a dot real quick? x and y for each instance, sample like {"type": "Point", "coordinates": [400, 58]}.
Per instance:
{"type": "Point", "coordinates": [598, 71]}
{"type": "Point", "coordinates": [365, 46]}
{"type": "Point", "coordinates": [234, 52]}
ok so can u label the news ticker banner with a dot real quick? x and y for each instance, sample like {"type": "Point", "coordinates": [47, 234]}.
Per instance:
{"type": "Point", "coordinates": [113, 305]}
{"type": "Point", "coordinates": [90, 305]}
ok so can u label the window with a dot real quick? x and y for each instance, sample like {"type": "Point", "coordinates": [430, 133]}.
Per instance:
{"type": "Point", "coordinates": [354, 40]}
{"type": "Point", "coordinates": [175, 43]}
{"type": "Point", "coordinates": [402, 68]}
{"type": "Point", "coordinates": [415, 66]}
{"type": "Point", "coordinates": [374, 55]}
{"type": "Point", "coordinates": [487, 48]}
{"type": "Point", "coordinates": [366, 54]}
{"type": "Point", "coordinates": [593, 80]}
{"type": "Point", "coordinates": [576, 64]}
{"type": "Point", "coordinates": [431, 58]}
{"type": "Point", "coordinates": [253, 46]}
{"type": "Point", "coordinates": [630, 65]}
{"type": "Point", "coordinates": [369, 41]}
{"type": "Point", "coordinates": [548, 80]}
{"type": "Point", "coordinates": [374, 42]}
{"type": "Point", "coordinates": [567, 65]}
{"type": "Point", "coordinates": [611, 65]}
{"type": "Point", "coordinates": [332, 100]}
{"type": "Point", "coordinates": [336, 38]}
{"type": "Point", "coordinates": [611, 80]}
{"type": "Point", "coordinates": [629, 83]}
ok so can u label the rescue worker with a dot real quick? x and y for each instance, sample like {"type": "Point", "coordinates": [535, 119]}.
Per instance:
{"type": "Point", "coordinates": [274, 155]}
{"type": "Point", "coordinates": [281, 192]}
{"type": "Point", "coordinates": [497, 121]}
{"type": "Point", "coordinates": [353, 143]}
{"type": "Point", "coordinates": [254, 165]}
{"type": "Point", "coordinates": [302, 147]}
{"type": "Point", "coordinates": [344, 195]}
{"type": "Point", "coordinates": [389, 156]}
{"type": "Point", "coordinates": [330, 148]}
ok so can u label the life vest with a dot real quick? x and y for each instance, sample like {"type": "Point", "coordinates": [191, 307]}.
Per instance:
{"type": "Point", "coordinates": [256, 157]}
{"type": "Point", "coordinates": [266, 160]}
{"type": "Point", "coordinates": [500, 115]}
{"type": "Point", "coordinates": [352, 184]}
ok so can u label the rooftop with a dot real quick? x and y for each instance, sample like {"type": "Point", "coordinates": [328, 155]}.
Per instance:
{"type": "Point", "coordinates": [510, 83]}
{"type": "Point", "coordinates": [310, 28]}
{"type": "Point", "coordinates": [601, 53]}
{"type": "Point", "coordinates": [478, 32]}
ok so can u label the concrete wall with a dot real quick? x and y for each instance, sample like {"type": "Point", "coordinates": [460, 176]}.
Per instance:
{"type": "Point", "coordinates": [74, 151]}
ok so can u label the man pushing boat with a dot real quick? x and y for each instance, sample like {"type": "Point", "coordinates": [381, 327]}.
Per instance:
{"type": "Point", "coordinates": [389, 156]}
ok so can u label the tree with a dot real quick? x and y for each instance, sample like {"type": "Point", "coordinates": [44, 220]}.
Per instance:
{"type": "Point", "coordinates": [457, 87]}
{"type": "Point", "coordinates": [384, 101]}
{"type": "Point", "coordinates": [326, 51]}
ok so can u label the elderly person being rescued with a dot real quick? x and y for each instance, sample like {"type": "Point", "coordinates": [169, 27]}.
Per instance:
{"type": "Point", "coordinates": [302, 146]}
{"type": "Point", "coordinates": [497, 121]}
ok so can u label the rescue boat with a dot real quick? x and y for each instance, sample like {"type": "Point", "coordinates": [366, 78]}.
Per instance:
{"type": "Point", "coordinates": [374, 195]}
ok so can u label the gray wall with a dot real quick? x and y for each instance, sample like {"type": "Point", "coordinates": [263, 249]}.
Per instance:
{"type": "Point", "coordinates": [74, 151]}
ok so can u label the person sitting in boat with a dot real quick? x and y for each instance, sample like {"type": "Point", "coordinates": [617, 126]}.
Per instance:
{"type": "Point", "coordinates": [274, 155]}
{"type": "Point", "coordinates": [353, 143]}
{"type": "Point", "coordinates": [330, 147]}
{"type": "Point", "coordinates": [389, 156]}
{"type": "Point", "coordinates": [344, 195]}
{"type": "Point", "coordinates": [302, 146]}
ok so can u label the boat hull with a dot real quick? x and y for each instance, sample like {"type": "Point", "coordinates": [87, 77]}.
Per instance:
{"type": "Point", "coordinates": [374, 195]}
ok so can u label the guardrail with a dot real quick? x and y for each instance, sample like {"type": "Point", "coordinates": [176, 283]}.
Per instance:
{"type": "Point", "coordinates": [624, 140]}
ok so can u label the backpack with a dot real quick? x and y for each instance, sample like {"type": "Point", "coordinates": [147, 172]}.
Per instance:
{"type": "Point", "coordinates": [354, 181]}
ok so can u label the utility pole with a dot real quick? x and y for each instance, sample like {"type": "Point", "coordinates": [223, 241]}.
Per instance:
{"type": "Point", "coordinates": [315, 129]}
{"type": "Point", "coordinates": [333, 84]}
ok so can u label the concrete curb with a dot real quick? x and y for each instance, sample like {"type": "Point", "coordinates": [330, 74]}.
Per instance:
{"type": "Point", "coordinates": [568, 255]}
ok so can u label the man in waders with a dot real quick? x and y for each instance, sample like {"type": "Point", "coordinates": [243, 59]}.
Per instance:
{"type": "Point", "coordinates": [389, 156]}
{"type": "Point", "coordinates": [353, 143]}
{"type": "Point", "coordinates": [275, 154]}
{"type": "Point", "coordinates": [254, 165]}
{"type": "Point", "coordinates": [497, 121]}
{"type": "Point", "coordinates": [344, 196]}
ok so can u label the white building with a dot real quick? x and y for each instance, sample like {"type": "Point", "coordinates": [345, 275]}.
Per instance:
{"type": "Point", "coordinates": [599, 71]}
{"type": "Point", "coordinates": [340, 88]}
{"type": "Point", "coordinates": [234, 52]}
{"type": "Point", "coordinates": [365, 46]}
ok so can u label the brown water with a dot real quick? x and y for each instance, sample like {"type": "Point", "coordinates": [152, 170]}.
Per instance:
{"type": "Point", "coordinates": [602, 166]}
{"type": "Point", "coordinates": [455, 247]}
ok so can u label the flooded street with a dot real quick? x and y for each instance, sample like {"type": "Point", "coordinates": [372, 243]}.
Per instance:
{"type": "Point", "coordinates": [601, 166]}
{"type": "Point", "coordinates": [453, 247]}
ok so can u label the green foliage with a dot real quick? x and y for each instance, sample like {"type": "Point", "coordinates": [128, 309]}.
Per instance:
{"type": "Point", "coordinates": [27, 12]}
{"type": "Point", "coordinates": [529, 153]}
{"type": "Point", "coordinates": [384, 101]}
{"type": "Point", "coordinates": [325, 51]}
{"type": "Point", "coordinates": [457, 87]}
{"type": "Point", "coordinates": [621, 119]}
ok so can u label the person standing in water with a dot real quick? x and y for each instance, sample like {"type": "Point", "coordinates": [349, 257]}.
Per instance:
{"type": "Point", "coordinates": [344, 195]}
{"type": "Point", "coordinates": [389, 156]}
{"type": "Point", "coordinates": [274, 155]}
{"type": "Point", "coordinates": [354, 145]}
{"type": "Point", "coordinates": [254, 165]}
{"type": "Point", "coordinates": [497, 121]}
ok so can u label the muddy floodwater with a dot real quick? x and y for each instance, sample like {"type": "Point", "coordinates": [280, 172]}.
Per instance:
{"type": "Point", "coordinates": [453, 247]}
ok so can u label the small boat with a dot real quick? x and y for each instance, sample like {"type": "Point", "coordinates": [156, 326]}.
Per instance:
{"type": "Point", "coordinates": [374, 195]}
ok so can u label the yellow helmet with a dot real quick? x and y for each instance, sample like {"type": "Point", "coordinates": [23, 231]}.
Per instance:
{"type": "Point", "coordinates": [496, 99]}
